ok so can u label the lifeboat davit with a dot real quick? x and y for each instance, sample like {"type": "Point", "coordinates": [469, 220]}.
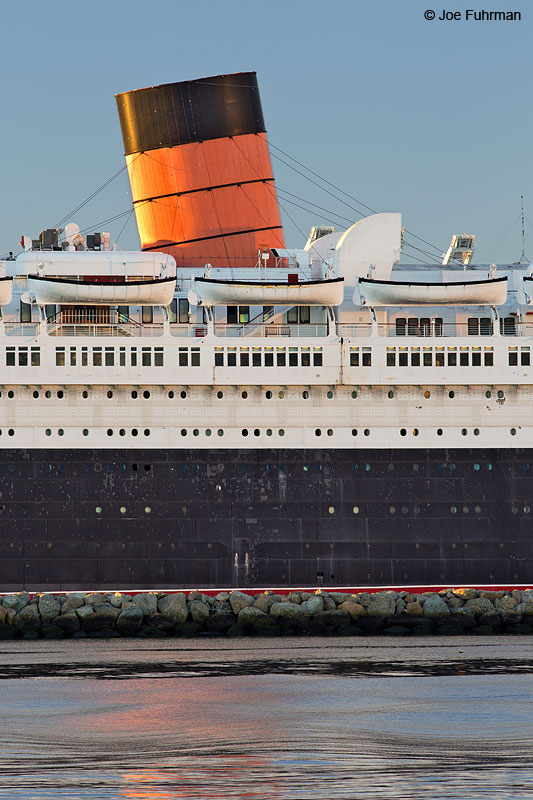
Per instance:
{"type": "Point", "coordinates": [94, 292]}
{"type": "Point", "coordinates": [489, 292]}
{"type": "Point", "coordinates": [215, 292]}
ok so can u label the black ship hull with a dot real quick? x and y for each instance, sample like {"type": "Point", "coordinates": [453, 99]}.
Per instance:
{"type": "Point", "coordinates": [132, 519]}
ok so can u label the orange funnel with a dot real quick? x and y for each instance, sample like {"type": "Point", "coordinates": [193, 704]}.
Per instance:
{"type": "Point", "coordinates": [200, 170]}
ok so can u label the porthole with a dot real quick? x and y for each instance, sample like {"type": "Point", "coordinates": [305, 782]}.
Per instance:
{"type": "Point", "coordinates": [392, 510]}
{"type": "Point", "coordinates": [36, 394]}
{"type": "Point", "coordinates": [427, 394]}
{"type": "Point", "coordinates": [439, 431]}
{"type": "Point", "coordinates": [305, 468]}
{"type": "Point", "coordinates": [390, 395]}
{"type": "Point", "coordinates": [244, 432]}
{"type": "Point", "coordinates": [48, 431]}
{"type": "Point", "coordinates": [514, 509]}
{"type": "Point", "coordinates": [244, 395]}
{"type": "Point", "coordinates": [134, 395]}
{"type": "Point", "coordinates": [183, 395]}
{"type": "Point", "coordinates": [122, 432]}
{"type": "Point", "coordinates": [331, 510]}
{"type": "Point", "coordinates": [355, 509]}
{"type": "Point", "coordinates": [500, 394]}
{"type": "Point", "coordinates": [134, 432]}
{"type": "Point", "coordinates": [123, 509]}
{"type": "Point", "coordinates": [488, 395]}
{"type": "Point", "coordinates": [465, 509]}
{"type": "Point", "coordinates": [85, 394]}
{"type": "Point", "coordinates": [60, 394]}
{"type": "Point", "coordinates": [268, 395]}
{"type": "Point", "coordinates": [477, 509]}
{"type": "Point", "coordinates": [390, 467]}
{"type": "Point", "coordinates": [207, 432]}
{"type": "Point", "coordinates": [85, 431]}
{"type": "Point", "coordinates": [405, 510]}
{"type": "Point", "coordinates": [109, 394]}
{"type": "Point", "coordinates": [476, 431]}
{"type": "Point", "coordinates": [220, 432]}
{"type": "Point", "coordinates": [451, 394]}
{"type": "Point", "coordinates": [196, 432]}
{"type": "Point", "coordinates": [453, 509]}
{"type": "Point", "coordinates": [366, 432]}
{"type": "Point", "coordinates": [464, 431]}
{"type": "Point", "coordinates": [47, 394]}
{"type": "Point", "coordinates": [416, 509]}
{"type": "Point", "coordinates": [318, 432]}
{"type": "Point", "coordinates": [513, 431]}
{"type": "Point", "coordinates": [220, 395]}
{"type": "Point", "coordinates": [98, 509]}
{"type": "Point", "coordinates": [305, 395]}
{"type": "Point", "coordinates": [59, 433]}
{"type": "Point", "coordinates": [329, 395]}
{"type": "Point", "coordinates": [257, 432]}
{"type": "Point", "coordinates": [269, 432]}
{"type": "Point", "coordinates": [171, 394]}
{"type": "Point", "coordinates": [183, 432]}
{"type": "Point", "coordinates": [477, 467]}
{"type": "Point", "coordinates": [11, 394]}
{"type": "Point", "coordinates": [415, 431]}
{"type": "Point", "coordinates": [147, 509]}
{"type": "Point", "coordinates": [403, 432]}
{"type": "Point", "coordinates": [11, 432]}
{"type": "Point", "coordinates": [146, 394]}
{"type": "Point", "coordinates": [281, 432]}
{"type": "Point", "coordinates": [110, 431]}
{"type": "Point", "coordinates": [354, 431]}
{"type": "Point", "coordinates": [147, 431]}
{"type": "Point", "coordinates": [354, 395]}
{"type": "Point", "coordinates": [330, 431]}
{"type": "Point", "coordinates": [526, 509]}
{"type": "Point", "coordinates": [281, 395]}
{"type": "Point", "coordinates": [367, 467]}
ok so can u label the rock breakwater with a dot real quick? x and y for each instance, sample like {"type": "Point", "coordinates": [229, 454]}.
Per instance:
{"type": "Point", "coordinates": [154, 614]}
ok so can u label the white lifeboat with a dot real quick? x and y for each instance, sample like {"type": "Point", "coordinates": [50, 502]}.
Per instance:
{"type": "Point", "coordinates": [489, 292]}
{"type": "Point", "coordinates": [214, 292]}
{"type": "Point", "coordinates": [6, 290]}
{"type": "Point", "coordinates": [94, 292]}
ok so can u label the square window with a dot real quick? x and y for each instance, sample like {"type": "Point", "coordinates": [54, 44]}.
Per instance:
{"type": "Point", "coordinates": [195, 357]}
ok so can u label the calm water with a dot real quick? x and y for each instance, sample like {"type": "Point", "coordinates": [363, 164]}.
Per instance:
{"type": "Point", "coordinates": [267, 718]}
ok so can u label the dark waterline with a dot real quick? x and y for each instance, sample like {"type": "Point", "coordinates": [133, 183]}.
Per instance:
{"type": "Point", "coordinates": [261, 718]}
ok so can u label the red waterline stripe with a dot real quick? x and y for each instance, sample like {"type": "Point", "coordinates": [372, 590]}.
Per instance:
{"type": "Point", "coordinates": [286, 590]}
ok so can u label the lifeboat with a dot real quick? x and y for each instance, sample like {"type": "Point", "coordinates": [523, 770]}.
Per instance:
{"type": "Point", "coordinates": [94, 292]}
{"type": "Point", "coordinates": [489, 292]}
{"type": "Point", "coordinates": [6, 290]}
{"type": "Point", "coordinates": [215, 292]}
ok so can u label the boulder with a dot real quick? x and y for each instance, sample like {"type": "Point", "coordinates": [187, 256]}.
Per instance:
{"type": "Point", "coordinates": [492, 596]}
{"type": "Point", "coordinates": [116, 599]}
{"type": "Point", "coordinates": [68, 622]}
{"type": "Point", "coordinates": [413, 608]}
{"type": "Point", "coordinates": [107, 610]}
{"type": "Point", "coordinates": [129, 621]}
{"type": "Point", "coordinates": [339, 597]}
{"type": "Point", "coordinates": [72, 601]}
{"type": "Point", "coordinates": [265, 601]}
{"type": "Point", "coordinates": [355, 610]}
{"type": "Point", "coordinates": [333, 618]}
{"type": "Point", "coordinates": [510, 616]}
{"type": "Point", "coordinates": [174, 606]}
{"type": "Point", "coordinates": [220, 621]}
{"type": "Point", "coordinates": [158, 622]}
{"type": "Point", "coordinates": [465, 593]}
{"type": "Point", "coordinates": [329, 602]}
{"type": "Point", "coordinates": [505, 603]}
{"type": "Point", "coordinates": [288, 611]}
{"type": "Point", "coordinates": [479, 606]}
{"type": "Point", "coordinates": [314, 605]}
{"type": "Point", "coordinates": [400, 606]}
{"type": "Point", "coordinates": [49, 607]}
{"type": "Point", "coordinates": [28, 619]}
{"type": "Point", "coordinates": [382, 605]}
{"type": "Point", "coordinates": [239, 600]}
{"type": "Point", "coordinates": [84, 611]}
{"type": "Point", "coordinates": [222, 597]}
{"type": "Point", "coordinates": [525, 608]}
{"type": "Point", "coordinates": [294, 597]}
{"type": "Point", "coordinates": [10, 615]}
{"type": "Point", "coordinates": [2, 615]}
{"type": "Point", "coordinates": [52, 631]}
{"type": "Point", "coordinates": [452, 601]}
{"type": "Point", "coordinates": [199, 611]}
{"type": "Point", "coordinates": [94, 597]}
{"type": "Point", "coordinates": [16, 601]}
{"type": "Point", "coordinates": [147, 601]}
{"type": "Point", "coordinates": [250, 615]}
{"type": "Point", "coordinates": [97, 622]}
{"type": "Point", "coordinates": [435, 608]}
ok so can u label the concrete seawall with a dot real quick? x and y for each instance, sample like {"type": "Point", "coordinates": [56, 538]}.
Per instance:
{"type": "Point", "coordinates": [102, 615]}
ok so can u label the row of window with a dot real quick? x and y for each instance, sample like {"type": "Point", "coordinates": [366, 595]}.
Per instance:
{"type": "Point", "coordinates": [440, 356]}
{"type": "Point", "coordinates": [476, 326]}
{"type": "Point", "coordinates": [101, 356]}
{"type": "Point", "coordinates": [268, 356]}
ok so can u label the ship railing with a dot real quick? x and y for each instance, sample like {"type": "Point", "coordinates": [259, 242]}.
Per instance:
{"type": "Point", "coordinates": [258, 330]}
{"type": "Point", "coordinates": [507, 326]}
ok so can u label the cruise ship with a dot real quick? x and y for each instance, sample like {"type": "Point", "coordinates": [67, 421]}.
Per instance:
{"type": "Point", "coordinates": [221, 410]}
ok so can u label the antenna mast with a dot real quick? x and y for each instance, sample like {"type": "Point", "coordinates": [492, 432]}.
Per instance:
{"type": "Point", "coordinates": [523, 258]}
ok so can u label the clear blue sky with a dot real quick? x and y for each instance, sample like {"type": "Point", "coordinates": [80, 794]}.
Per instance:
{"type": "Point", "coordinates": [433, 119]}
